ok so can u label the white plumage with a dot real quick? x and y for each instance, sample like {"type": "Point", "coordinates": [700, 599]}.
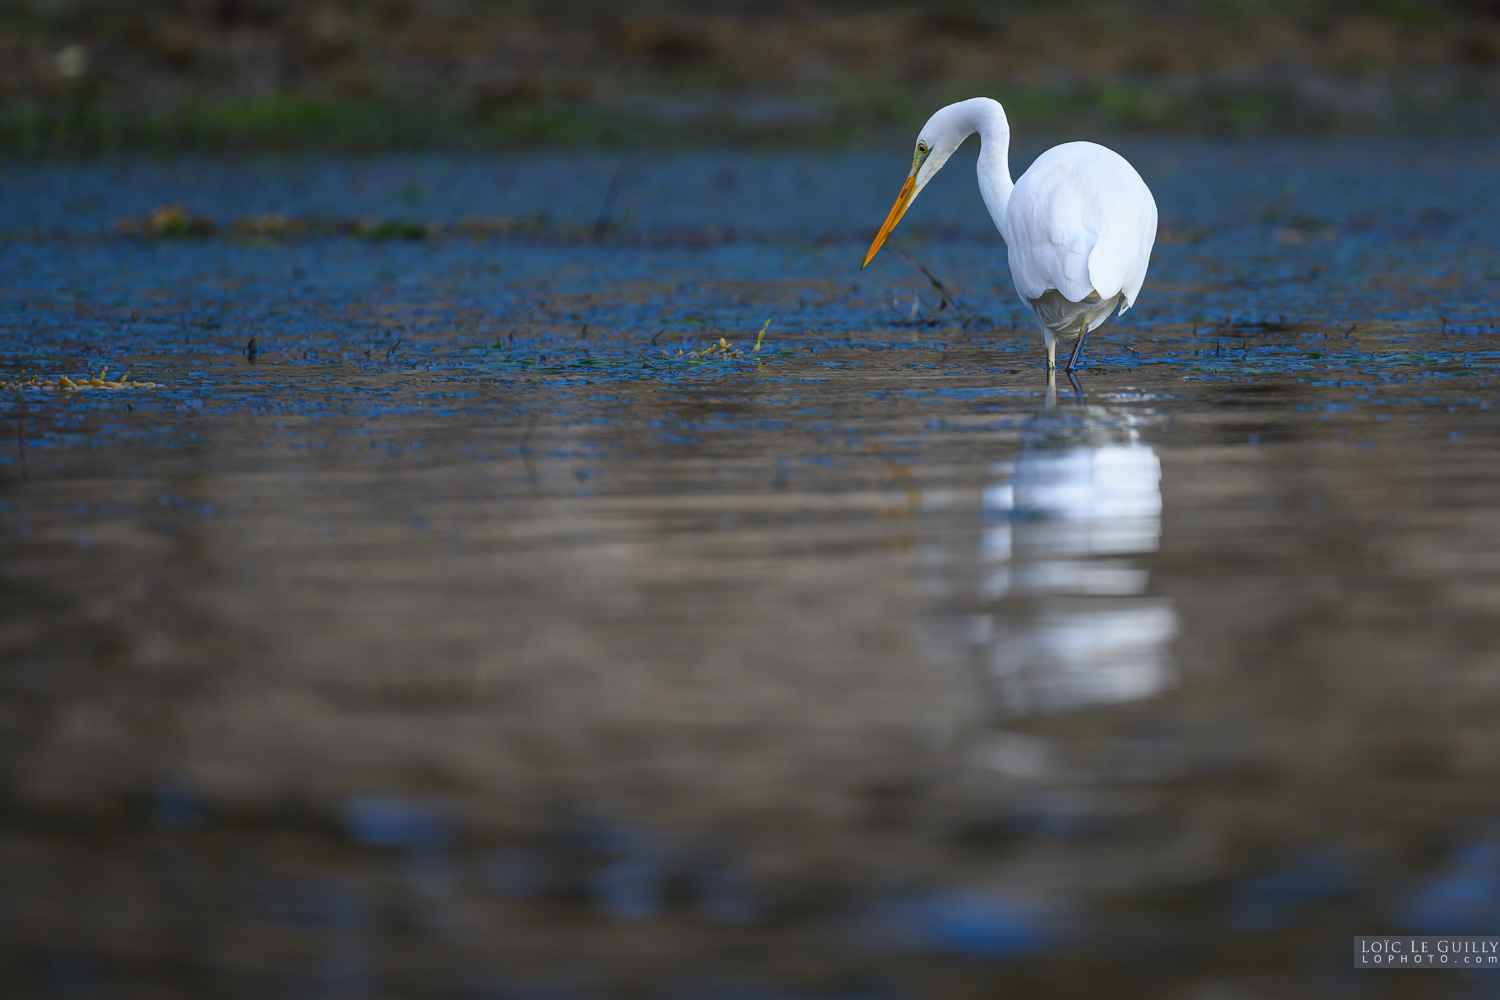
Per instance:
{"type": "Point", "coordinates": [1079, 224]}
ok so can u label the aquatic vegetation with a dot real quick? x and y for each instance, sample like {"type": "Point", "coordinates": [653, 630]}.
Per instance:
{"type": "Point", "coordinates": [66, 384]}
{"type": "Point", "coordinates": [723, 350]}
{"type": "Point", "coordinates": [759, 337]}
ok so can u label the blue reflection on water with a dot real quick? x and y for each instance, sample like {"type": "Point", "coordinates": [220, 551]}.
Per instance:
{"type": "Point", "coordinates": [396, 821]}
{"type": "Point", "coordinates": [629, 889]}
{"type": "Point", "coordinates": [970, 923]}
{"type": "Point", "coordinates": [174, 806]}
{"type": "Point", "coordinates": [1463, 899]}
{"type": "Point", "coordinates": [1277, 900]}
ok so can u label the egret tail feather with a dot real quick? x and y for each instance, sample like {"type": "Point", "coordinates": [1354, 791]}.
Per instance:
{"type": "Point", "coordinates": [1066, 319]}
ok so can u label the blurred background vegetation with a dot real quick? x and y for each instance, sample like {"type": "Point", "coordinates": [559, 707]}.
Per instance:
{"type": "Point", "coordinates": [81, 76]}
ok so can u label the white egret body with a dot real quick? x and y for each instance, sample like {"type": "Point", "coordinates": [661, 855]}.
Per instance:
{"type": "Point", "coordinates": [1079, 224]}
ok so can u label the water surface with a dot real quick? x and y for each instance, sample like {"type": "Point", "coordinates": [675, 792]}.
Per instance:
{"type": "Point", "coordinates": [481, 632]}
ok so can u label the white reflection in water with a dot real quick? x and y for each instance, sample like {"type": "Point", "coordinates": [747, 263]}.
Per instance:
{"type": "Point", "coordinates": [1073, 626]}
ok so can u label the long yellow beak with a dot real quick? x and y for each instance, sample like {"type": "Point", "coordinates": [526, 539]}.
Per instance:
{"type": "Point", "coordinates": [908, 190]}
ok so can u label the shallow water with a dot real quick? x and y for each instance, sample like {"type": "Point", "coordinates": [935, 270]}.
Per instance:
{"type": "Point", "coordinates": [472, 637]}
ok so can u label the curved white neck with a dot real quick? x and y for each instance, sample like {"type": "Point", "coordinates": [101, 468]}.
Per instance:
{"type": "Point", "coordinates": [995, 184]}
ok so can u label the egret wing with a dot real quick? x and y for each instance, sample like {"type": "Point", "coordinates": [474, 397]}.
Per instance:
{"type": "Point", "coordinates": [1081, 221]}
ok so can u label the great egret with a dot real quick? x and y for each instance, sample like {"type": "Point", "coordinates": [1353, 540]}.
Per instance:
{"type": "Point", "coordinates": [1079, 224]}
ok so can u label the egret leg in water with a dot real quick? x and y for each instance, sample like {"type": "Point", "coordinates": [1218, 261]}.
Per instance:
{"type": "Point", "coordinates": [1083, 331]}
{"type": "Point", "coordinates": [1052, 386]}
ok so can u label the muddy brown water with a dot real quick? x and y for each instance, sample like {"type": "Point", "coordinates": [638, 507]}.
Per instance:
{"type": "Point", "coordinates": [478, 634]}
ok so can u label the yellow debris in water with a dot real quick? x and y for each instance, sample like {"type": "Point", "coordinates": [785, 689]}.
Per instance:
{"type": "Point", "coordinates": [761, 336]}
{"type": "Point", "coordinates": [65, 384]}
{"type": "Point", "coordinates": [723, 349]}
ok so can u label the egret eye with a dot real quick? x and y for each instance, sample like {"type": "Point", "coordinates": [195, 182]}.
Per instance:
{"type": "Point", "coordinates": [922, 149]}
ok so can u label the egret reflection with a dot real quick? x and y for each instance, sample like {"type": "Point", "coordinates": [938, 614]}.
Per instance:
{"type": "Point", "coordinates": [1068, 621]}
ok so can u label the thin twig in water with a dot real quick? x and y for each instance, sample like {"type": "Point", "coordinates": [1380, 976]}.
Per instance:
{"type": "Point", "coordinates": [938, 286]}
{"type": "Point", "coordinates": [391, 350]}
{"type": "Point", "coordinates": [603, 222]}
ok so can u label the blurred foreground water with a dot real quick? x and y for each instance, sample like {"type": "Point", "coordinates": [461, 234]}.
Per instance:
{"type": "Point", "coordinates": [485, 630]}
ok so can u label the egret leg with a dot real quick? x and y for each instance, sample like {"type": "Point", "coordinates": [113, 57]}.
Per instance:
{"type": "Point", "coordinates": [1051, 354]}
{"type": "Point", "coordinates": [1083, 329]}
{"type": "Point", "coordinates": [1076, 387]}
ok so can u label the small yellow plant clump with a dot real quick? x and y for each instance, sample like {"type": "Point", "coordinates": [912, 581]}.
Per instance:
{"type": "Point", "coordinates": [65, 384]}
{"type": "Point", "coordinates": [723, 349]}
{"type": "Point", "coordinates": [761, 336]}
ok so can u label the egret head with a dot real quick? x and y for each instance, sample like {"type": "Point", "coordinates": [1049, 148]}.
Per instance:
{"type": "Point", "coordinates": [943, 133]}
